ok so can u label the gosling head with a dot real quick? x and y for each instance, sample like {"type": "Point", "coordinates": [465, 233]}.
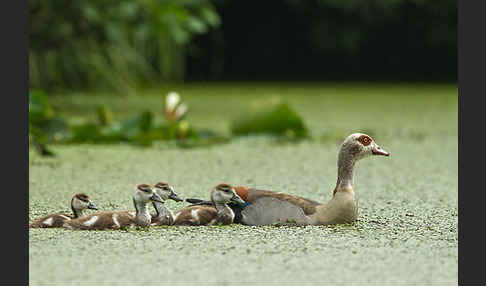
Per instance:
{"type": "Point", "coordinates": [144, 193]}
{"type": "Point", "coordinates": [81, 201]}
{"type": "Point", "coordinates": [166, 191]}
{"type": "Point", "coordinates": [359, 145]}
{"type": "Point", "coordinates": [225, 193]}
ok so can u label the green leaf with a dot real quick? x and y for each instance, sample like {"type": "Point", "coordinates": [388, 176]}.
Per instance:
{"type": "Point", "coordinates": [210, 16]}
{"type": "Point", "coordinates": [88, 132]}
{"type": "Point", "coordinates": [134, 125]}
{"type": "Point", "coordinates": [39, 108]}
{"type": "Point", "coordinates": [55, 129]}
{"type": "Point", "coordinates": [105, 116]}
{"type": "Point", "coordinates": [195, 25]}
{"type": "Point", "coordinates": [280, 120]}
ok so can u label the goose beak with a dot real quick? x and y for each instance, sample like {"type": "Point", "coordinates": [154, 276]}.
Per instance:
{"type": "Point", "coordinates": [378, 151]}
{"type": "Point", "coordinates": [156, 198]}
{"type": "Point", "coordinates": [92, 206]}
{"type": "Point", "coordinates": [175, 197]}
{"type": "Point", "coordinates": [238, 200]}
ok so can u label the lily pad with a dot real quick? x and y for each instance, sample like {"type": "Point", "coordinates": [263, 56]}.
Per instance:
{"type": "Point", "coordinates": [280, 120]}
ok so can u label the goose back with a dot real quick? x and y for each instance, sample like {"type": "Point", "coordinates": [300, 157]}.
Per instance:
{"type": "Point", "coordinates": [107, 220]}
{"type": "Point", "coordinates": [269, 210]}
{"type": "Point", "coordinates": [198, 215]}
{"type": "Point", "coordinates": [52, 220]}
{"type": "Point", "coordinates": [252, 195]}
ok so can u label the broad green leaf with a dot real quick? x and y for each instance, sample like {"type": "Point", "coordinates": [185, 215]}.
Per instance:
{"type": "Point", "coordinates": [279, 120]}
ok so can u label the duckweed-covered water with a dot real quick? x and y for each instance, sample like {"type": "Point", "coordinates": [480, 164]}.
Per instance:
{"type": "Point", "coordinates": [407, 228]}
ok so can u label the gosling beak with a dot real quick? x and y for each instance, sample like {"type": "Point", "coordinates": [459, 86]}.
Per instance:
{"type": "Point", "coordinates": [378, 151]}
{"type": "Point", "coordinates": [92, 206]}
{"type": "Point", "coordinates": [238, 200]}
{"type": "Point", "coordinates": [156, 198]}
{"type": "Point", "coordinates": [175, 197]}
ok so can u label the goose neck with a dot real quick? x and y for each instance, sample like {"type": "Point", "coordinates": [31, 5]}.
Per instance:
{"type": "Point", "coordinates": [224, 210]}
{"type": "Point", "coordinates": [160, 209]}
{"type": "Point", "coordinates": [346, 164]}
{"type": "Point", "coordinates": [142, 213]}
{"type": "Point", "coordinates": [77, 213]}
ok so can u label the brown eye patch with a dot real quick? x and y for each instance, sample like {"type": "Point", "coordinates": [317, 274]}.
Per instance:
{"type": "Point", "coordinates": [224, 187]}
{"type": "Point", "coordinates": [161, 185]}
{"type": "Point", "coordinates": [82, 197]}
{"type": "Point", "coordinates": [144, 187]}
{"type": "Point", "coordinates": [365, 140]}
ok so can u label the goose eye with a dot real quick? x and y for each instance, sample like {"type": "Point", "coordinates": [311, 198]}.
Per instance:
{"type": "Point", "coordinates": [364, 140]}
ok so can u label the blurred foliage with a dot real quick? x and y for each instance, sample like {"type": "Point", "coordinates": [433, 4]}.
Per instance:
{"type": "Point", "coordinates": [279, 120]}
{"type": "Point", "coordinates": [121, 44]}
{"type": "Point", "coordinates": [113, 44]}
{"type": "Point", "coordinates": [47, 127]}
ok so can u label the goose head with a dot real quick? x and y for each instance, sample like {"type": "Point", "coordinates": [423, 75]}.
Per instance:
{"type": "Point", "coordinates": [81, 201]}
{"type": "Point", "coordinates": [358, 145]}
{"type": "Point", "coordinates": [144, 193]}
{"type": "Point", "coordinates": [166, 191]}
{"type": "Point", "coordinates": [225, 193]}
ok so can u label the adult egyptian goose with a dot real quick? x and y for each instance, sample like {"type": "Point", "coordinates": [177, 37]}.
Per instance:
{"type": "Point", "coordinates": [144, 194]}
{"type": "Point", "coordinates": [270, 208]}
{"type": "Point", "coordinates": [216, 213]}
{"type": "Point", "coordinates": [79, 203]}
{"type": "Point", "coordinates": [163, 215]}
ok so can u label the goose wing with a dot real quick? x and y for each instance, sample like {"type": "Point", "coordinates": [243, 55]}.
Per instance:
{"type": "Point", "coordinates": [273, 211]}
{"type": "Point", "coordinates": [308, 206]}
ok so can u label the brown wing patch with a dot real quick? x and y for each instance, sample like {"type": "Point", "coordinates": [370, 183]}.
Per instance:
{"type": "Point", "coordinates": [242, 192]}
{"type": "Point", "coordinates": [307, 205]}
{"type": "Point", "coordinates": [57, 221]}
{"type": "Point", "coordinates": [104, 221]}
{"type": "Point", "coordinates": [205, 215]}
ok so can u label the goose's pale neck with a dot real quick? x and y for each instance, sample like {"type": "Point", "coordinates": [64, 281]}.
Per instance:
{"type": "Point", "coordinates": [77, 213]}
{"type": "Point", "coordinates": [161, 210]}
{"type": "Point", "coordinates": [140, 207]}
{"type": "Point", "coordinates": [142, 213]}
{"type": "Point", "coordinates": [225, 213]}
{"type": "Point", "coordinates": [346, 164]}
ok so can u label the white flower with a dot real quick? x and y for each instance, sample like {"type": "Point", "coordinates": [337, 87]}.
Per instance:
{"type": "Point", "coordinates": [180, 111]}
{"type": "Point", "coordinates": [174, 109]}
{"type": "Point", "coordinates": [171, 101]}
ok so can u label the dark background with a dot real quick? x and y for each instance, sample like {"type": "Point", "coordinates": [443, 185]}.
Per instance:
{"type": "Point", "coordinates": [301, 40]}
{"type": "Point", "coordinates": [111, 44]}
